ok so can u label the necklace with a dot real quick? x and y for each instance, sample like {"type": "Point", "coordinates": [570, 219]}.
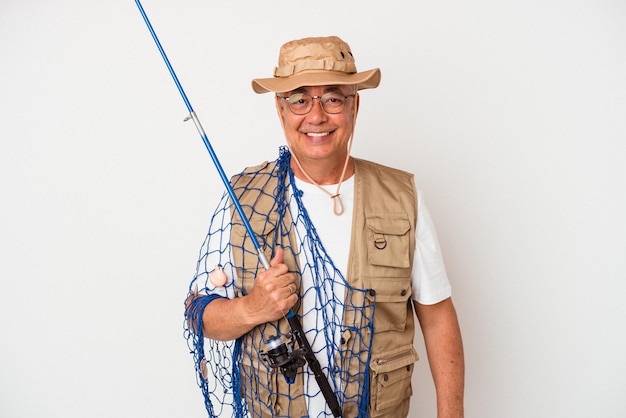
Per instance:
{"type": "Point", "coordinates": [336, 197]}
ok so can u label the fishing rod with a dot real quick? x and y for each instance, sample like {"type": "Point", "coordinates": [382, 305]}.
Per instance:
{"type": "Point", "coordinates": [278, 355]}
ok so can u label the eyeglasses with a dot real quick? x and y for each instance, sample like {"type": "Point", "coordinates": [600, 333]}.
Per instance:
{"type": "Point", "coordinates": [302, 103]}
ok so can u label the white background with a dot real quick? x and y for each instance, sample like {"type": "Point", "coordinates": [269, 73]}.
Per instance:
{"type": "Point", "coordinates": [511, 115]}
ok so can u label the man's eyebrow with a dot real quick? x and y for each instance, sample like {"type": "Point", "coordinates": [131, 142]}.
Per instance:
{"type": "Point", "coordinates": [327, 89]}
{"type": "Point", "coordinates": [298, 90]}
{"type": "Point", "coordinates": [340, 89]}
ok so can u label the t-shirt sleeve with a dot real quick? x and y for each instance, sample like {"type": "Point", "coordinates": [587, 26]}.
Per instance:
{"type": "Point", "coordinates": [430, 282]}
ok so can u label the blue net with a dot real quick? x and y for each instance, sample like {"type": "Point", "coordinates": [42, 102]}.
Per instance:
{"type": "Point", "coordinates": [234, 376]}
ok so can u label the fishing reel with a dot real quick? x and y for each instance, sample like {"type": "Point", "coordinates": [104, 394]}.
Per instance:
{"type": "Point", "coordinates": [281, 355]}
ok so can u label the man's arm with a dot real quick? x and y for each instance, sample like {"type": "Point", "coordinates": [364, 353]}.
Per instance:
{"type": "Point", "coordinates": [273, 294]}
{"type": "Point", "coordinates": [444, 346]}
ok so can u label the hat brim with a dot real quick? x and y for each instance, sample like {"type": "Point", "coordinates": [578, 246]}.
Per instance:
{"type": "Point", "coordinates": [363, 80]}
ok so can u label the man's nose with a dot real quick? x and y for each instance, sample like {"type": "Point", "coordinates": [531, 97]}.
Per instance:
{"type": "Point", "coordinates": [317, 109]}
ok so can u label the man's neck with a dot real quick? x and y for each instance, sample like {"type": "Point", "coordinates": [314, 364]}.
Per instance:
{"type": "Point", "coordinates": [322, 173]}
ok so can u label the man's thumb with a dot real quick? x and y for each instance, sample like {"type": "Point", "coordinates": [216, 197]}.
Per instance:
{"type": "Point", "coordinates": [278, 257]}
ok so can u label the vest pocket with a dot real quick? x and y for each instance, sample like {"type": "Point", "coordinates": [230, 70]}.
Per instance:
{"type": "Point", "coordinates": [388, 240]}
{"type": "Point", "coordinates": [391, 296]}
{"type": "Point", "coordinates": [256, 390]}
{"type": "Point", "coordinates": [390, 382]}
{"type": "Point", "coordinates": [245, 256]}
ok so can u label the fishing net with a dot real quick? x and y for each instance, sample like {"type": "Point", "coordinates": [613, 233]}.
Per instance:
{"type": "Point", "coordinates": [337, 318]}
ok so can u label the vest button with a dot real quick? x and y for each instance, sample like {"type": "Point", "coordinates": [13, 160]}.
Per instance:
{"type": "Point", "coordinates": [403, 292]}
{"type": "Point", "coordinates": [372, 292]}
{"type": "Point", "coordinates": [386, 377]}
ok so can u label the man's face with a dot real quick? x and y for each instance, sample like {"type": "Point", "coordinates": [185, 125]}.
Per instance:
{"type": "Point", "coordinates": [319, 137]}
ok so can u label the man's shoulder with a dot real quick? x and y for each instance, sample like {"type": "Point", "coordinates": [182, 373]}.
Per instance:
{"type": "Point", "coordinates": [380, 169]}
{"type": "Point", "coordinates": [253, 176]}
{"type": "Point", "coordinates": [255, 168]}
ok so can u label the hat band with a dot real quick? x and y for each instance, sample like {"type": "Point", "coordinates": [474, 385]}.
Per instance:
{"type": "Point", "coordinates": [327, 65]}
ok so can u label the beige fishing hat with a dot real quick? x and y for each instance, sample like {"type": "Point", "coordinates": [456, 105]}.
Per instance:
{"type": "Point", "coordinates": [316, 62]}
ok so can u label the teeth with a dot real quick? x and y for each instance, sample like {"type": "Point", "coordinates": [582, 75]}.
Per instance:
{"type": "Point", "coordinates": [317, 133]}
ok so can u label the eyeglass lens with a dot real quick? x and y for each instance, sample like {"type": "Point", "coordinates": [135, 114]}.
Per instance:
{"type": "Point", "coordinates": [302, 103]}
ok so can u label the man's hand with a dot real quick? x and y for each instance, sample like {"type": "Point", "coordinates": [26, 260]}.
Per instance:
{"type": "Point", "coordinates": [273, 293]}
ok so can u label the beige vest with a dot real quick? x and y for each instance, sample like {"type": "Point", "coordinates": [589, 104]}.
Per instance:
{"type": "Point", "coordinates": [381, 256]}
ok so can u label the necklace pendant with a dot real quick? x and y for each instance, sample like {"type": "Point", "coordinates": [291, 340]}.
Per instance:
{"type": "Point", "coordinates": [337, 205]}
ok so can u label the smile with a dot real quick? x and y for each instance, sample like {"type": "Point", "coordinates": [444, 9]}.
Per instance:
{"type": "Point", "coordinates": [318, 134]}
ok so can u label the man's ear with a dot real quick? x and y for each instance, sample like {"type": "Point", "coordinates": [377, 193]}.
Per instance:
{"type": "Point", "coordinates": [280, 109]}
{"type": "Point", "coordinates": [357, 101]}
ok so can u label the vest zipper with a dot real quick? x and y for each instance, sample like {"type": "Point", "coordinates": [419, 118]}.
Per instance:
{"type": "Point", "coordinates": [394, 357]}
